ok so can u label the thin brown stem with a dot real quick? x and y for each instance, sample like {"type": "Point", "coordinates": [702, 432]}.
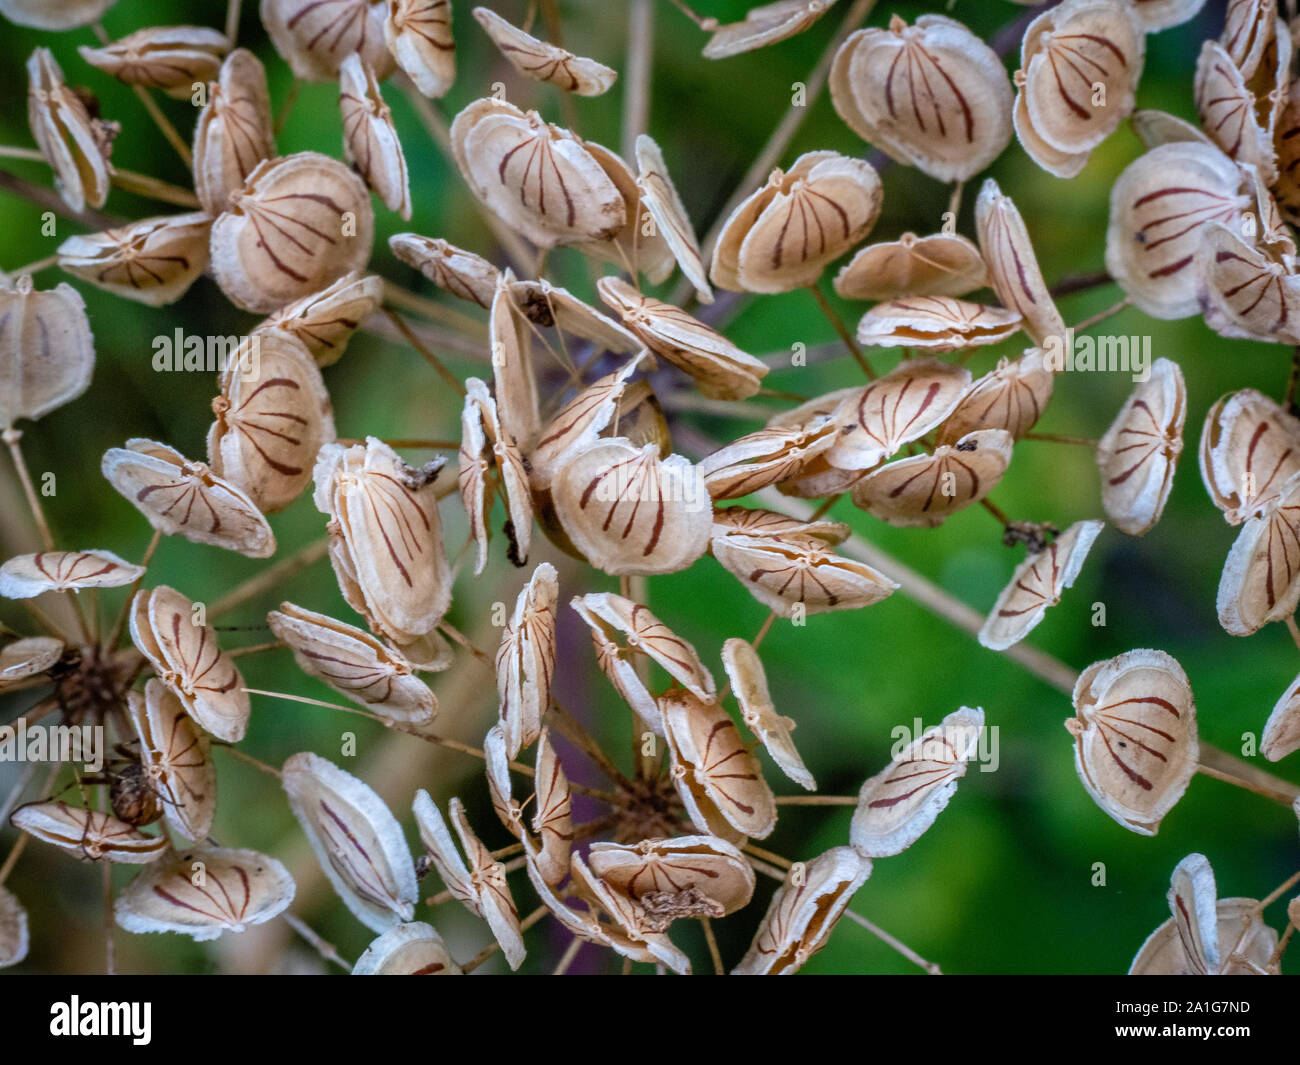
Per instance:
{"type": "Point", "coordinates": [429, 357]}
{"type": "Point", "coordinates": [487, 952]}
{"type": "Point", "coordinates": [572, 730]}
{"type": "Point", "coordinates": [11, 859]}
{"type": "Point", "coordinates": [636, 75]}
{"type": "Point", "coordinates": [712, 941]}
{"type": "Point", "coordinates": [816, 800]}
{"type": "Point", "coordinates": [324, 949]}
{"type": "Point", "coordinates": [282, 116]}
{"type": "Point", "coordinates": [907, 952]}
{"type": "Point", "coordinates": [11, 437]}
{"type": "Point", "coordinates": [269, 578]}
{"type": "Point", "coordinates": [1060, 438]}
{"type": "Point", "coordinates": [1278, 892]}
{"type": "Point", "coordinates": [239, 652]}
{"type": "Point", "coordinates": [1293, 629]}
{"type": "Point", "coordinates": [1080, 283]}
{"type": "Point", "coordinates": [110, 951]}
{"type": "Point", "coordinates": [448, 316]}
{"type": "Point", "coordinates": [843, 331]}
{"type": "Point", "coordinates": [152, 188]}
{"type": "Point", "coordinates": [566, 959]}
{"type": "Point", "coordinates": [1101, 316]}
{"type": "Point", "coordinates": [232, 22]}
{"type": "Point", "coordinates": [115, 633]}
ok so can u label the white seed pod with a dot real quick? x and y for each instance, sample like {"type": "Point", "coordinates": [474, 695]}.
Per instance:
{"type": "Point", "coordinates": [483, 446]}
{"type": "Point", "coordinates": [153, 261]}
{"type": "Point", "coordinates": [1261, 577]}
{"type": "Point", "coordinates": [188, 660]}
{"type": "Point", "coordinates": [413, 949]}
{"type": "Point", "coordinates": [1064, 165]}
{"type": "Point", "coordinates": [356, 840]}
{"type": "Point", "coordinates": [205, 893]}
{"type": "Point", "coordinates": [931, 95]}
{"type": "Point", "coordinates": [1247, 293]}
{"type": "Point", "coordinates": [1161, 14]}
{"type": "Point", "coordinates": [299, 222]}
{"type": "Point", "coordinates": [462, 273]}
{"type": "Point", "coordinates": [898, 804]}
{"type": "Point", "coordinates": [553, 813]}
{"type": "Point", "coordinates": [354, 664]}
{"type": "Point", "coordinates": [630, 930]}
{"type": "Point", "coordinates": [525, 660]}
{"type": "Point", "coordinates": [27, 576]}
{"type": "Point", "coordinates": [234, 132]}
{"type": "Point", "coordinates": [1248, 29]}
{"type": "Point", "coordinates": [545, 62]}
{"type": "Point", "coordinates": [481, 884]}
{"type": "Point", "coordinates": [315, 38]}
{"type": "Point", "coordinates": [697, 876]}
{"type": "Point", "coordinates": [749, 683]}
{"type": "Point", "coordinates": [765, 457]}
{"type": "Point", "coordinates": [1013, 266]}
{"type": "Point", "coordinates": [1135, 746]}
{"type": "Point", "coordinates": [1281, 735]}
{"type": "Point", "coordinates": [75, 145]}
{"type": "Point", "coordinates": [326, 320]}
{"type": "Point", "coordinates": [175, 755]}
{"type": "Point", "coordinates": [719, 368]}
{"type": "Point", "coordinates": [763, 25]}
{"type": "Point", "coordinates": [88, 835]}
{"type": "Point", "coordinates": [1159, 207]}
{"type": "Point", "coordinates": [518, 405]}
{"type": "Point", "coordinates": [1250, 448]}
{"type": "Point", "coordinates": [647, 251]}
{"type": "Point", "coordinates": [1273, 235]}
{"type": "Point", "coordinates": [496, 765]}
{"type": "Point", "coordinates": [179, 497]}
{"type": "Point", "coordinates": [630, 512]}
{"type": "Point", "coordinates": [418, 34]}
{"type": "Point", "coordinates": [803, 912]}
{"type": "Point", "coordinates": [671, 223]}
{"type": "Point", "coordinates": [27, 657]}
{"type": "Point", "coordinates": [1037, 584]}
{"type": "Point", "coordinates": [942, 264]}
{"type": "Point", "coordinates": [1010, 397]}
{"type": "Point", "coordinates": [1155, 128]}
{"type": "Point", "coordinates": [925, 489]}
{"type": "Point", "coordinates": [171, 58]}
{"type": "Point", "coordinates": [1137, 454]}
{"type": "Point", "coordinates": [935, 323]}
{"type": "Point", "coordinates": [54, 14]}
{"type": "Point", "coordinates": [47, 354]}
{"type": "Point", "coordinates": [1227, 109]}
{"type": "Point", "coordinates": [786, 233]}
{"type": "Point", "coordinates": [537, 178]}
{"type": "Point", "coordinates": [14, 940]}
{"type": "Point", "coordinates": [370, 141]}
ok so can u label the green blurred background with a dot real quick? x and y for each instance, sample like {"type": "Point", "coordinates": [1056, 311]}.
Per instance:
{"type": "Point", "coordinates": [1003, 881]}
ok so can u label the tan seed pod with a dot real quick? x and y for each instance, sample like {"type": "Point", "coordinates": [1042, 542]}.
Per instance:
{"type": "Point", "coordinates": [172, 58]}
{"type": "Point", "coordinates": [418, 33]}
{"type": "Point", "coordinates": [1281, 735]}
{"type": "Point", "coordinates": [314, 38]}
{"type": "Point", "coordinates": [175, 755]}
{"type": "Point", "coordinates": [1227, 109]}
{"type": "Point", "coordinates": [166, 629]}
{"type": "Point", "coordinates": [1155, 128]}
{"type": "Point", "coordinates": [1250, 448]}
{"type": "Point", "coordinates": [765, 457]}
{"type": "Point", "coordinates": [1161, 14]}
{"type": "Point", "coordinates": [1135, 746]}
{"type": "Point", "coordinates": [931, 95]}
{"type": "Point", "coordinates": [666, 209]}
{"type": "Point", "coordinates": [238, 889]}
{"type": "Point", "coordinates": [630, 930]}
{"type": "Point", "coordinates": [234, 131]}
{"type": "Point", "coordinates": [1013, 266]}
{"type": "Point", "coordinates": [1139, 451]}
{"type": "Point", "coordinates": [1261, 577]}
{"type": "Point", "coordinates": [299, 222]}
{"type": "Point", "coordinates": [648, 252]}
{"type": "Point", "coordinates": [1010, 397]}
{"type": "Point", "coordinates": [803, 912]}
{"type": "Point", "coordinates": [496, 765]}
{"type": "Point", "coordinates": [356, 840]}
{"type": "Point", "coordinates": [1254, 295]}
{"type": "Point", "coordinates": [54, 14]}
{"type": "Point", "coordinates": [545, 62]}
{"type": "Point", "coordinates": [14, 940]}
{"type": "Point", "coordinates": [898, 804]}
{"type": "Point", "coordinates": [552, 307]}
{"type": "Point", "coordinates": [370, 141]}
{"type": "Point", "coordinates": [413, 949]}
{"type": "Point", "coordinates": [484, 445]}
{"type": "Point", "coordinates": [748, 521]}
{"type": "Point", "coordinates": [27, 657]}
{"type": "Point", "coordinates": [553, 812]}
{"type": "Point", "coordinates": [1248, 30]}
{"type": "Point", "coordinates": [749, 682]}
{"type": "Point", "coordinates": [354, 664]}
{"type": "Point", "coordinates": [1286, 141]}
{"type": "Point", "coordinates": [27, 576]}
{"type": "Point", "coordinates": [518, 406]}
{"type": "Point", "coordinates": [935, 323]}
{"type": "Point", "coordinates": [786, 233]}
{"type": "Point", "coordinates": [525, 660]}
{"type": "Point", "coordinates": [671, 878]}
{"type": "Point", "coordinates": [179, 497]}
{"type": "Point", "coordinates": [1159, 207]}
{"type": "Point", "coordinates": [88, 835]}
{"type": "Point", "coordinates": [462, 273]}
{"type": "Point", "coordinates": [75, 144]}
{"type": "Point", "coordinates": [942, 264]}
{"type": "Point", "coordinates": [1037, 584]}
{"type": "Point", "coordinates": [326, 320]}
{"type": "Point", "coordinates": [537, 178]}
{"type": "Point", "coordinates": [47, 353]}
{"type": "Point", "coordinates": [153, 261]}
{"type": "Point", "coordinates": [763, 25]}
{"type": "Point", "coordinates": [925, 489]}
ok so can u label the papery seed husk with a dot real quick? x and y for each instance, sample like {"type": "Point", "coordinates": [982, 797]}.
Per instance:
{"type": "Point", "coordinates": [942, 264]}
{"type": "Point", "coordinates": [14, 940]}
{"type": "Point", "coordinates": [550, 306]}
{"type": "Point", "coordinates": [1286, 141]}
{"type": "Point", "coordinates": [153, 261]}
{"type": "Point", "coordinates": [462, 273]}
{"type": "Point", "coordinates": [671, 222]}
{"type": "Point", "coordinates": [234, 131]}
{"type": "Point", "coordinates": [484, 439]}
{"type": "Point", "coordinates": [175, 754]}
{"type": "Point", "coordinates": [1254, 295]}
{"type": "Point", "coordinates": [935, 323]}
{"type": "Point", "coordinates": [1161, 14]}
{"type": "Point", "coordinates": [709, 865]}
{"type": "Point", "coordinates": [749, 683]}
{"type": "Point", "coordinates": [370, 141]}
{"type": "Point", "coordinates": [1059, 164]}
{"type": "Point", "coordinates": [413, 949]}
{"type": "Point", "coordinates": [27, 576]}
{"type": "Point", "coordinates": [545, 62]}
{"type": "Point", "coordinates": [54, 14]}
{"type": "Point", "coordinates": [47, 353]}
{"type": "Point", "coordinates": [525, 660]}
{"type": "Point", "coordinates": [763, 25]}
{"type": "Point", "coordinates": [650, 254]}
{"type": "Point", "coordinates": [765, 457]}
{"type": "Point", "coordinates": [314, 38]}
{"type": "Point", "coordinates": [1227, 110]}
{"type": "Point", "coordinates": [1250, 448]}
{"type": "Point", "coordinates": [419, 36]}
{"type": "Point", "coordinates": [75, 144]}
{"type": "Point", "coordinates": [553, 812]}
{"type": "Point", "coordinates": [326, 320]}
{"type": "Point", "coordinates": [1247, 31]}
{"type": "Point", "coordinates": [1281, 735]}
{"type": "Point", "coordinates": [171, 58]}
{"type": "Point", "coordinates": [629, 932]}
{"type": "Point", "coordinates": [89, 836]}
{"type": "Point", "coordinates": [496, 766]}
{"type": "Point", "coordinates": [1010, 397]}
{"type": "Point", "coordinates": [518, 405]}
{"type": "Point", "coordinates": [1155, 128]}
{"type": "Point", "coordinates": [1261, 577]}
{"type": "Point", "coordinates": [27, 657]}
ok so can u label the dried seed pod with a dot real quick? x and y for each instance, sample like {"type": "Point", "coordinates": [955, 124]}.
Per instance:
{"type": "Point", "coordinates": [177, 496]}
{"type": "Point", "coordinates": [1159, 207]}
{"type": "Point", "coordinates": [1281, 735]}
{"type": "Point", "coordinates": [27, 576]}
{"type": "Point", "coordinates": [932, 95]}
{"type": "Point", "coordinates": [314, 38]}
{"type": "Point", "coordinates": [1010, 397]}
{"type": "Point", "coordinates": [942, 264]}
{"type": "Point", "coordinates": [356, 840]}
{"type": "Point", "coordinates": [47, 354]}
{"type": "Point", "coordinates": [354, 664]}
{"type": "Point", "coordinates": [668, 213]}
{"type": "Point", "coordinates": [1227, 109]}
{"type": "Point", "coordinates": [54, 14]}
{"type": "Point", "coordinates": [647, 251]}
{"type": "Point", "coordinates": [175, 755]}
{"type": "Point", "coordinates": [765, 457]}
{"type": "Point", "coordinates": [496, 765]}
{"type": "Point", "coordinates": [713, 769]}
{"type": "Point", "coordinates": [413, 949]}
{"type": "Point", "coordinates": [172, 58]}
{"type": "Point", "coordinates": [326, 320]}
{"type": "Point", "coordinates": [1261, 577]}
{"type": "Point", "coordinates": [234, 131]}
{"type": "Point", "coordinates": [237, 889]}
{"type": "Point", "coordinates": [1013, 266]}
{"type": "Point", "coordinates": [153, 261]}
{"type": "Point", "coordinates": [1056, 162]}
{"type": "Point", "coordinates": [630, 512]}
{"type": "Point", "coordinates": [1286, 140]}
{"type": "Point", "coordinates": [1250, 448]}
{"type": "Point", "coordinates": [935, 323]}
{"type": "Point", "coordinates": [14, 940]}
{"type": "Point", "coordinates": [630, 931]}
{"type": "Point", "coordinates": [763, 25]}
{"type": "Point", "coordinates": [553, 815]}
{"type": "Point", "coordinates": [1248, 30]}
{"type": "Point", "coordinates": [525, 660]}
{"type": "Point", "coordinates": [925, 489]}
{"type": "Point", "coordinates": [1037, 584]}
{"type": "Point", "coordinates": [418, 34]}
{"type": "Point", "coordinates": [75, 145]}
{"type": "Point", "coordinates": [182, 648]}
{"type": "Point", "coordinates": [749, 682]}
{"type": "Point", "coordinates": [518, 406]}
{"type": "Point", "coordinates": [1155, 128]}
{"type": "Point", "coordinates": [550, 306]}
{"type": "Point", "coordinates": [898, 804]}
{"type": "Point", "coordinates": [786, 233]}
{"type": "Point", "coordinates": [687, 876]}
{"type": "Point", "coordinates": [537, 178]}
{"type": "Point", "coordinates": [299, 222]}
{"type": "Point", "coordinates": [1161, 14]}
{"type": "Point", "coordinates": [88, 835]}
{"type": "Point", "coordinates": [462, 273]}
{"type": "Point", "coordinates": [721, 370]}
{"type": "Point", "coordinates": [1135, 746]}
{"type": "Point", "coordinates": [1139, 451]}
{"type": "Point", "coordinates": [804, 911]}
{"type": "Point", "coordinates": [27, 657]}
{"type": "Point", "coordinates": [481, 885]}
{"type": "Point", "coordinates": [1254, 295]}
{"type": "Point", "coordinates": [370, 141]}
{"type": "Point", "coordinates": [545, 62]}
{"type": "Point", "coordinates": [482, 438]}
